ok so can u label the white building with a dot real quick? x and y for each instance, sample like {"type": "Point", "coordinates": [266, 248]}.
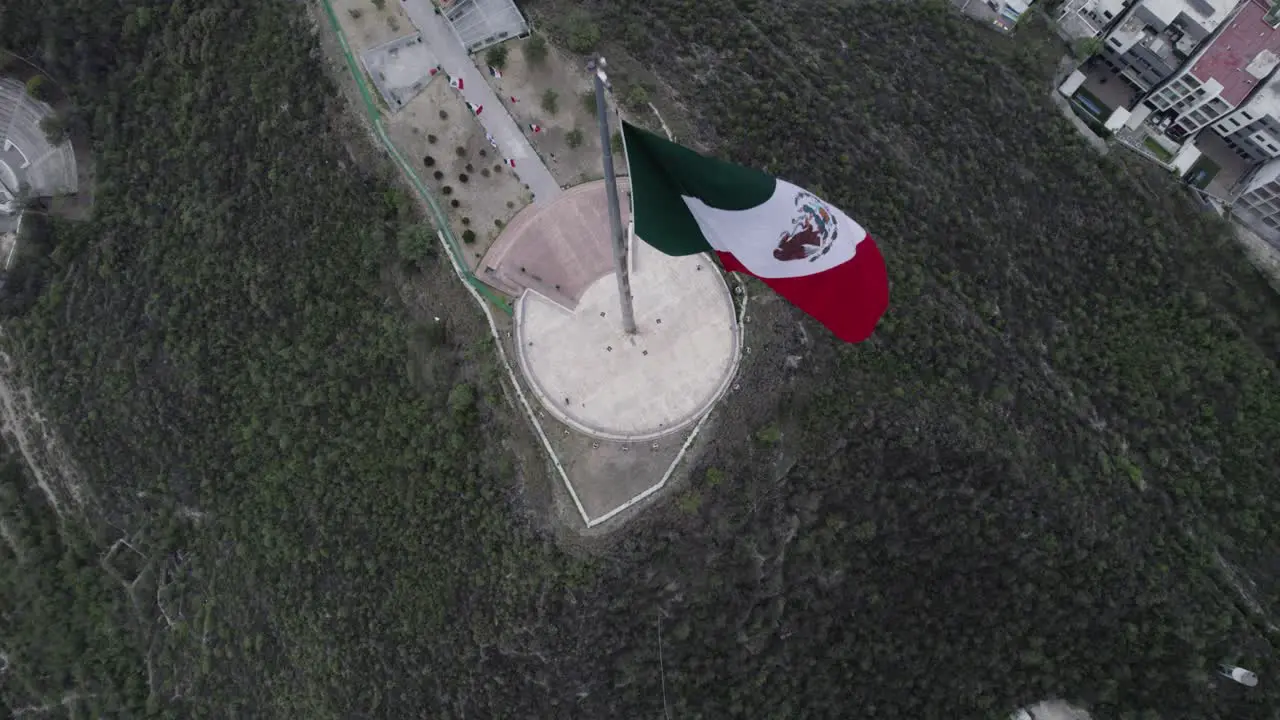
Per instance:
{"type": "Point", "coordinates": [1259, 202]}
{"type": "Point", "coordinates": [1221, 79]}
{"type": "Point", "coordinates": [1156, 37]}
{"type": "Point", "coordinates": [1253, 129]}
{"type": "Point", "coordinates": [1008, 12]}
{"type": "Point", "coordinates": [1089, 18]}
{"type": "Point", "coordinates": [481, 23]}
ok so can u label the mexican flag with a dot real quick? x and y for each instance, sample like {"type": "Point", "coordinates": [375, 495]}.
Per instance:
{"type": "Point", "coordinates": [807, 250]}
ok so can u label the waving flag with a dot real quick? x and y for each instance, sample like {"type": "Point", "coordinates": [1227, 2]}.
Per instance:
{"type": "Point", "coordinates": [455, 83]}
{"type": "Point", "coordinates": [492, 140]}
{"type": "Point", "coordinates": [535, 128]}
{"type": "Point", "coordinates": [495, 72]}
{"type": "Point", "coordinates": [477, 109]}
{"type": "Point", "coordinates": [808, 251]}
{"type": "Point", "coordinates": [509, 161]}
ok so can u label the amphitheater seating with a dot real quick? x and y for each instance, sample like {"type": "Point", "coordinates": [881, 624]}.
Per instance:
{"type": "Point", "coordinates": [51, 170]}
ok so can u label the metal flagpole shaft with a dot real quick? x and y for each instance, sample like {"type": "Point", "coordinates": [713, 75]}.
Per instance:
{"type": "Point", "coordinates": [615, 212]}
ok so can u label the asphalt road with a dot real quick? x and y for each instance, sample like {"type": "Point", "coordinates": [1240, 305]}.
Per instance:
{"type": "Point", "coordinates": [495, 119]}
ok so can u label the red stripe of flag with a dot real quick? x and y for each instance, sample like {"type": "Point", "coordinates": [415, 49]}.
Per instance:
{"type": "Point", "coordinates": [849, 298]}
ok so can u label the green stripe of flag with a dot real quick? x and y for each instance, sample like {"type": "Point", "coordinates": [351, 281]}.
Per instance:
{"type": "Point", "coordinates": [661, 172]}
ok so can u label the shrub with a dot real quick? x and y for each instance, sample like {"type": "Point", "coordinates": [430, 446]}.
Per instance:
{"type": "Point", "coordinates": [484, 172]}
{"type": "Point", "coordinates": [483, 152]}
{"type": "Point", "coordinates": [497, 56]}
{"type": "Point", "coordinates": [535, 50]}
{"type": "Point", "coordinates": [454, 202]}
{"type": "Point", "coordinates": [615, 142]}
{"type": "Point", "coordinates": [380, 4]}
{"type": "Point", "coordinates": [468, 236]}
{"type": "Point", "coordinates": [574, 138]}
{"type": "Point", "coordinates": [551, 101]}
{"type": "Point", "coordinates": [444, 115]}
{"type": "Point", "coordinates": [447, 190]}
{"type": "Point", "coordinates": [470, 168]}
{"type": "Point", "coordinates": [589, 102]}
{"type": "Point", "coordinates": [1087, 48]}
{"type": "Point", "coordinates": [497, 168]}
{"type": "Point", "coordinates": [462, 152]}
{"type": "Point", "coordinates": [35, 87]}
{"type": "Point", "coordinates": [432, 139]}
{"type": "Point", "coordinates": [497, 223]}
{"type": "Point", "coordinates": [354, 13]}
{"type": "Point", "coordinates": [770, 435]}
{"type": "Point", "coordinates": [462, 177]}
{"type": "Point", "coordinates": [439, 174]}
{"type": "Point", "coordinates": [428, 161]}
{"type": "Point", "coordinates": [466, 221]}
{"type": "Point", "coordinates": [583, 33]}
{"type": "Point", "coordinates": [636, 95]}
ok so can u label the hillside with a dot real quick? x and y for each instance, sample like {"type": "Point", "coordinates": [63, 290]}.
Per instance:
{"type": "Point", "coordinates": [1028, 484]}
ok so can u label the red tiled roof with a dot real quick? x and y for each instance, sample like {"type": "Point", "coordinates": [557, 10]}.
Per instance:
{"type": "Point", "coordinates": [1231, 52]}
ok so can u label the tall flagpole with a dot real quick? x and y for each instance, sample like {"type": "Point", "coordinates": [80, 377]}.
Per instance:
{"type": "Point", "coordinates": [615, 212]}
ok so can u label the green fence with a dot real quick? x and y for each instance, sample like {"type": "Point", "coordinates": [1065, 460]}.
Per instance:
{"type": "Point", "coordinates": [375, 116]}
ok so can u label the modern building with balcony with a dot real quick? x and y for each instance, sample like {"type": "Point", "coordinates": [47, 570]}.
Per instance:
{"type": "Point", "coordinates": [1224, 74]}
{"type": "Point", "coordinates": [1258, 203]}
{"type": "Point", "coordinates": [1083, 19]}
{"type": "Point", "coordinates": [1252, 130]}
{"type": "Point", "coordinates": [1155, 38]}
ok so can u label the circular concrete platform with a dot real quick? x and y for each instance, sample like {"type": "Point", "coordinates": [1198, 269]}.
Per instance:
{"type": "Point", "coordinates": [602, 382]}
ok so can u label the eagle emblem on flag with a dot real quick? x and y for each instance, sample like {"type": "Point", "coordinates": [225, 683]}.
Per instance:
{"type": "Point", "coordinates": [812, 232]}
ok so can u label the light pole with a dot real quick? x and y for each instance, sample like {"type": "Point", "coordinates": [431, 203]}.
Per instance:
{"type": "Point", "coordinates": [615, 212]}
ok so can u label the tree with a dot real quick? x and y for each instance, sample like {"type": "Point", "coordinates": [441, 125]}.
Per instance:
{"type": "Point", "coordinates": [54, 128]}
{"type": "Point", "coordinates": [497, 56]}
{"type": "Point", "coordinates": [551, 101]}
{"type": "Point", "coordinates": [636, 96]}
{"type": "Point", "coordinates": [416, 244]}
{"type": "Point", "coordinates": [535, 50]}
{"type": "Point", "coordinates": [574, 138]}
{"type": "Point", "coordinates": [1086, 48]}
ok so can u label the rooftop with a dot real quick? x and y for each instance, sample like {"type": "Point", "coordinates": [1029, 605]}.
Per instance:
{"type": "Point", "coordinates": [1208, 14]}
{"type": "Point", "coordinates": [481, 23]}
{"type": "Point", "coordinates": [400, 69]}
{"type": "Point", "coordinates": [1242, 56]}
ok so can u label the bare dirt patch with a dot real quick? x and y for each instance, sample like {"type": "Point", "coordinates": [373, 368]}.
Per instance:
{"type": "Point", "coordinates": [29, 433]}
{"type": "Point", "coordinates": [1262, 254]}
{"type": "Point", "coordinates": [565, 76]}
{"type": "Point", "coordinates": [477, 189]}
{"type": "Point", "coordinates": [1052, 710]}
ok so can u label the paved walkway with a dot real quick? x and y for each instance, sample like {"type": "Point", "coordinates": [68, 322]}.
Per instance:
{"type": "Point", "coordinates": [495, 119]}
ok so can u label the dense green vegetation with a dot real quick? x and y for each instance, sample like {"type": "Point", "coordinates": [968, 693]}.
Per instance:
{"type": "Point", "coordinates": [1016, 490]}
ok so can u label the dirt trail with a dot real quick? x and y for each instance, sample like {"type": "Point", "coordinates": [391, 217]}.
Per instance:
{"type": "Point", "coordinates": [54, 472]}
{"type": "Point", "coordinates": [1262, 254]}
